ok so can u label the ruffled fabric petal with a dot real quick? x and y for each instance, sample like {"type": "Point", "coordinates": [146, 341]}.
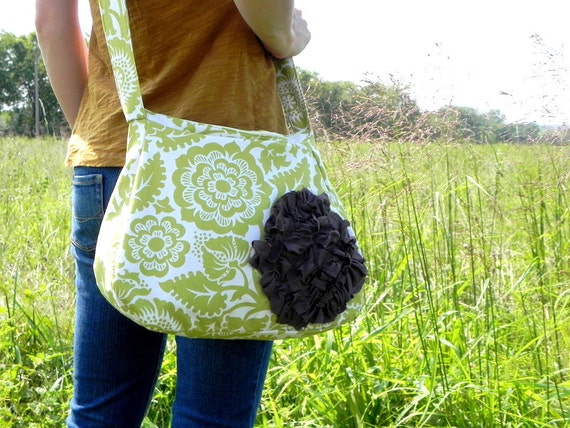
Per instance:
{"type": "Point", "coordinates": [309, 263]}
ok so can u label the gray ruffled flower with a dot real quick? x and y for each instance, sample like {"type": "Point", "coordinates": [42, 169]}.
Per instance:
{"type": "Point", "coordinates": [309, 262]}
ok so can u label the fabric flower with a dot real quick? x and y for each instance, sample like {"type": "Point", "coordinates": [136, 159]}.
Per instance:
{"type": "Point", "coordinates": [309, 263]}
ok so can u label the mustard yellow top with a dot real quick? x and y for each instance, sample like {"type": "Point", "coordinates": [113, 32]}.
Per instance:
{"type": "Point", "coordinates": [197, 60]}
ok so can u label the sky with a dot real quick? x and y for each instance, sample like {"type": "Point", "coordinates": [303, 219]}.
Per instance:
{"type": "Point", "coordinates": [510, 55]}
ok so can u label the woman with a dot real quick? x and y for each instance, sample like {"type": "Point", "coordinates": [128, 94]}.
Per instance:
{"type": "Point", "coordinates": [203, 60]}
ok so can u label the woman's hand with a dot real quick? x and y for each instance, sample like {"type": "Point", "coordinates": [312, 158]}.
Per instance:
{"type": "Point", "coordinates": [280, 27]}
{"type": "Point", "coordinates": [302, 34]}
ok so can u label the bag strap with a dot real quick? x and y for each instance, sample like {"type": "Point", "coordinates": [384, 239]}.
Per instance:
{"type": "Point", "coordinates": [115, 18]}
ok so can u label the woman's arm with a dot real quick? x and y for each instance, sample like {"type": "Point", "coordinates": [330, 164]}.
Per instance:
{"type": "Point", "coordinates": [279, 26]}
{"type": "Point", "coordinates": [64, 52]}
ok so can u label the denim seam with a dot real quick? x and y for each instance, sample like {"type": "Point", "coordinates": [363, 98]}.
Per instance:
{"type": "Point", "coordinates": [94, 180]}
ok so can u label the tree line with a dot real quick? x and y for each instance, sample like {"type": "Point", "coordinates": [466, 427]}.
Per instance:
{"type": "Point", "coordinates": [371, 111]}
{"type": "Point", "coordinates": [379, 111]}
{"type": "Point", "coordinates": [28, 106]}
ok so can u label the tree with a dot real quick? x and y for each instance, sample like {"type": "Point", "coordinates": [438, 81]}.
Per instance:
{"type": "Point", "coordinates": [385, 112]}
{"type": "Point", "coordinates": [374, 110]}
{"type": "Point", "coordinates": [328, 102]}
{"type": "Point", "coordinates": [521, 133]}
{"type": "Point", "coordinates": [21, 69]}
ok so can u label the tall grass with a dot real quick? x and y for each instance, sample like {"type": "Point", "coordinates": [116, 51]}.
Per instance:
{"type": "Point", "coordinates": [35, 284]}
{"type": "Point", "coordinates": [467, 321]}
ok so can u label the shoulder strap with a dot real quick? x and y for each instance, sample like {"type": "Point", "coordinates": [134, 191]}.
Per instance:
{"type": "Point", "coordinates": [115, 18]}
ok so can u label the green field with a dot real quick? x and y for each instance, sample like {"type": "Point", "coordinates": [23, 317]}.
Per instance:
{"type": "Point", "coordinates": [467, 322]}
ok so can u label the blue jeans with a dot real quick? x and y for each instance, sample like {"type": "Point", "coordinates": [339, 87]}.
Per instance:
{"type": "Point", "coordinates": [116, 362]}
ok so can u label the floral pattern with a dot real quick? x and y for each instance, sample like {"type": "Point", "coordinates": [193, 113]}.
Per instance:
{"type": "Point", "coordinates": [148, 190]}
{"type": "Point", "coordinates": [225, 257]}
{"type": "Point", "coordinates": [221, 186]}
{"type": "Point", "coordinates": [198, 294]}
{"type": "Point", "coordinates": [156, 245]}
{"type": "Point", "coordinates": [125, 74]}
{"type": "Point", "coordinates": [162, 316]}
{"type": "Point", "coordinates": [175, 244]}
{"type": "Point", "coordinates": [128, 289]}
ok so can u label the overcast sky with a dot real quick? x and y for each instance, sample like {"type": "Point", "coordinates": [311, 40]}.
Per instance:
{"type": "Point", "coordinates": [477, 54]}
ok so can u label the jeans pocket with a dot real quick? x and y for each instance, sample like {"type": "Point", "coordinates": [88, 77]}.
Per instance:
{"type": "Point", "coordinates": [87, 210]}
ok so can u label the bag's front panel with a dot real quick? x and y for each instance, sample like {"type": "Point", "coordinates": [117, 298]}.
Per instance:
{"type": "Point", "coordinates": [174, 249]}
{"type": "Point", "coordinates": [188, 234]}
